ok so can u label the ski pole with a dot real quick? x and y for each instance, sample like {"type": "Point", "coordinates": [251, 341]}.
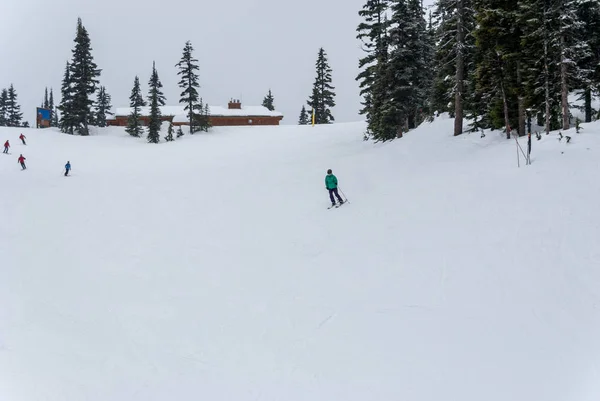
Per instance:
{"type": "Point", "coordinates": [344, 195]}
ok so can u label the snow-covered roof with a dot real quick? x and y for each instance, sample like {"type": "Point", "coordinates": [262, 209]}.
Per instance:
{"type": "Point", "coordinates": [245, 111]}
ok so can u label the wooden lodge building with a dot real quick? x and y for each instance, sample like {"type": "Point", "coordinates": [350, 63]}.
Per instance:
{"type": "Point", "coordinates": [233, 115]}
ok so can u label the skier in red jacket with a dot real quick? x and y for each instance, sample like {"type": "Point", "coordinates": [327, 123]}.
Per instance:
{"type": "Point", "coordinates": [22, 161]}
{"type": "Point", "coordinates": [6, 146]}
{"type": "Point", "coordinates": [22, 138]}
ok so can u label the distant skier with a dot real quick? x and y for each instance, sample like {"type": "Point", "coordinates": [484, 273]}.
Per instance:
{"type": "Point", "coordinates": [6, 146]}
{"type": "Point", "coordinates": [67, 168]}
{"type": "Point", "coordinates": [22, 138]}
{"type": "Point", "coordinates": [22, 161]}
{"type": "Point", "coordinates": [331, 183]}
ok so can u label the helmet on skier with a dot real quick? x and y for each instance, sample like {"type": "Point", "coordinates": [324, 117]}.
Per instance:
{"type": "Point", "coordinates": [329, 171]}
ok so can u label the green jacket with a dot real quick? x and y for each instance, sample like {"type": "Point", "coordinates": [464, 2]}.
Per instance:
{"type": "Point", "coordinates": [331, 181]}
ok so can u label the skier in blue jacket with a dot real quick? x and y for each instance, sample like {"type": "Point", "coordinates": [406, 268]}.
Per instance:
{"type": "Point", "coordinates": [67, 168]}
{"type": "Point", "coordinates": [331, 183]}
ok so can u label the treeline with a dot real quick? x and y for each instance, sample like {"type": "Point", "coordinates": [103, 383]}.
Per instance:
{"type": "Point", "coordinates": [10, 110]}
{"type": "Point", "coordinates": [495, 62]}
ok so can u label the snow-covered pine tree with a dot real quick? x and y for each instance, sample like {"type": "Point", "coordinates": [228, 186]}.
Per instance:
{"type": "Point", "coordinates": [268, 101]}
{"type": "Point", "coordinates": [589, 15]}
{"type": "Point", "coordinates": [67, 118]}
{"type": "Point", "coordinates": [156, 85]}
{"type": "Point", "coordinates": [84, 79]}
{"type": "Point", "coordinates": [454, 57]}
{"type": "Point", "coordinates": [4, 108]}
{"type": "Point", "coordinates": [155, 97]}
{"type": "Point", "coordinates": [136, 102]}
{"type": "Point", "coordinates": [206, 124]}
{"type": "Point", "coordinates": [45, 103]}
{"type": "Point", "coordinates": [303, 120]}
{"type": "Point", "coordinates": [322, 98]}
{"type": "Point", "coordinates": [13, 108]}
{"type": "Point", "coordinates": [51, 107]}
{"type": "Point", "coordinates": [102, 107]}
{"type": "Point", "coordinates": [498, 39]}
{"type": "Point", "coordinates": [169, 137]}
{"type": "Point", "coordinates": [179, 132]}
{"type": "Point", "coordinates": [25, 124]}
{"type": "Point", "coordinates": [372, 32]}
{"type": "Point", "coordinates": [573, 49]}
{"type": "Point", "coordinates": [541, 75]}
{"type": "Point", "coordinates": [405, 77]}
{"type": "Point", "coordinates": [189, 82]}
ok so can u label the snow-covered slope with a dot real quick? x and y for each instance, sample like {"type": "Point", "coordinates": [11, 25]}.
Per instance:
{"type": "Point", "coordinates": [210, 268]}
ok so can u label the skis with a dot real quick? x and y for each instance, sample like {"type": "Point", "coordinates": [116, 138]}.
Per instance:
{"type": "Point", "coordinates": [336, 205]}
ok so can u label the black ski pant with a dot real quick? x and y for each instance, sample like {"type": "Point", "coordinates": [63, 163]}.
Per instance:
{"type": "Point", "coordinates": [23, 141]}
{"type": "Point", "coordinates": [23, 165]}
{"type": "Point", "coordinates": [333, 191]}
{"type": "Point", "coordinates": [5, 150]}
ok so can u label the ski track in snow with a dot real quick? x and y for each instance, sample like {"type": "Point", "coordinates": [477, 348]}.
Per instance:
{"type": "Point", "coordinates": [209, 268]}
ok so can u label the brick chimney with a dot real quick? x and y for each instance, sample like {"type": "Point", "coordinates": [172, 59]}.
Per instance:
{"type": "Point", "coordinates": [234, 104]}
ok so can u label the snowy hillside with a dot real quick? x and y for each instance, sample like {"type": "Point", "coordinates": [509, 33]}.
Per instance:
{"type": "Point", "coordinates": [210, 269]}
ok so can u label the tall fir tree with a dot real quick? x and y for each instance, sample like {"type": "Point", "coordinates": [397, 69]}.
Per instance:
{"type": "Point", "coordinates": [189, 82]}
{"type": "Point", "coordinates": [51, 107]}
{"type": "Point", "coordinates": [136, 102]}
{"type": "Point", "coordinates": [4, 108]}
{"type": "Point", "coordinates": [156, 85]}
{"type": "Point", "coordinates": [304, 119]}
{"type": "Point", "coordinates": [498, 37]}
{"type": "Point", "coordinates": [372, 32]}
{"type": "Point", "coordinates": [268, 101]}
{"type": "Point", "coordinates": [589, 15]}
{"type": "Point", "coordinates": [155, 97]}
{"type": "Point", "coordinates": [45, 103]}
{"type": "Point", "coordinates": [102, 107]}
{"type": "Point", "coordinates": [67, 119]}
{"type": "Point", "coordinates": [405, 79]}
{"type": "Point", "coordinates": [13, 108]}
{"type": "Point", "coordinates": [84, 79]}
{"type": "Point", "coordinates": [454, 57]}
{"type": "Point", "coordinates": [322, 98]}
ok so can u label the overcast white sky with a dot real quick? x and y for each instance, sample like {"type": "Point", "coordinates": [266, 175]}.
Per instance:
{"type": "Point", "coordinates": [244, 47]}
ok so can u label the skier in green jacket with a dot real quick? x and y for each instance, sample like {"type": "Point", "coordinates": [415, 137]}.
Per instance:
{"type": "Point", "coordinates": [331, 183]}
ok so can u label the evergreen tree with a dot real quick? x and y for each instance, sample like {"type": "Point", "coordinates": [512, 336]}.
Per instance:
{"type": "Point", "coordinates": [304, 119]}
{"type": "Point", "coordinates": [322, 98]}
{"type": "Point", "coordinates": [155, 86]}
{"type": "Point", "coordinates": [206, 124]}
{"type": "Point", "coordinates": [169, 137]}
{"type": "Point", "coordinates": [589, 15]}
{"type": "Point", "coordinates": [405, 80]}
{"type": "Point", "coordinates": [102, 107]}
{"type": "Point", "coordinates": [454, 57]}
{"type": "Point", "coordinates": [179, 132]}
{"type": "Point", "coordinates": [25, 124]}
{"type": "Point", "coordinates": [53, 120]}
{"type": "Point", "coordinates": [45, 103]}
{"type": "Point", "coordinates": [136, 102]}
{"type": "Point", "coordinates": [371, 32]}
{"type": "Point", "coordinates": [13, 108]}
{"type": "Point", "coordinates": [84, 79]}
{"type": "Point", "coordinates": [498, 37]}
{"type": "Point", "coordinates": [67, 118]}
{"type": "Point", "coordinates": [4, 108]}
{"type": "Point", "coordinates": [189, 83]}
{"type": "Point", "coordinates": [268, 101]}
{"type": "Point", "coordinates": [155, 97]}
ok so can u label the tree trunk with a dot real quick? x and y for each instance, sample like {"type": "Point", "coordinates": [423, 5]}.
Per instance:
{"type": "Point", "coordinates": [460, 70]}
{"type": "Point", "coordinates": [588, 104]}
{"type": "Point", "coordinates": [547, 88]}
{"type": "Point", "coordinates": [505, 103]}
{"type": "Point", "coordinates": [564, 87]}
{"type": "Point", "coordinates": [521, 102]}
